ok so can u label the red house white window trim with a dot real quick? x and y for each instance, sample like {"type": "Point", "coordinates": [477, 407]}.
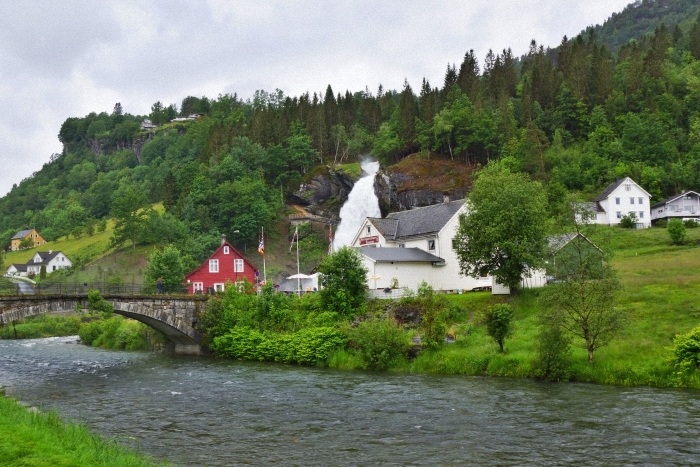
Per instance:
{"type": "Point", "coordinates": [213, 265]}
{"type": "Point", "coordinates": [225, 249]}
{"type": "Point", "coordinates": [238, 265]}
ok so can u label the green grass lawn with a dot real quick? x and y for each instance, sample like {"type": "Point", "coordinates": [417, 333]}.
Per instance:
{"type": "Point", "coordinates": [43, 439]}
{"type": "Point", "coordinates": [85, 246]}
{"type": "Point", "coordinates": [662, 296]}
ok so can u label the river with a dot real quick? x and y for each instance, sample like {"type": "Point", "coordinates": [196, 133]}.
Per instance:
{"type": "Point", "coordinates": [197, 411]}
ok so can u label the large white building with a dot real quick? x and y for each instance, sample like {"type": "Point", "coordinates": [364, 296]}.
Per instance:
{"type": "Point", "coordinates": [409, 247]}
{"type": "Point", "coordinates": [621, 198]}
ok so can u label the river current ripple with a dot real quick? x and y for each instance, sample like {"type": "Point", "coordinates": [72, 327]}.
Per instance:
{"type": "Point", "coordinates": [197, 411]}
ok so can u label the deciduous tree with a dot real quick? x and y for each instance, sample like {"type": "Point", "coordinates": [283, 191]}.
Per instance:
{"type": "Point", "coordinates": [343, 280]}
{"type": "Point", "coordinates": [503, 232]}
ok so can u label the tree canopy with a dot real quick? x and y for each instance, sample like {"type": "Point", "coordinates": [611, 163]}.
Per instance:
{"type": "Point", "coordinates": [503, 232]}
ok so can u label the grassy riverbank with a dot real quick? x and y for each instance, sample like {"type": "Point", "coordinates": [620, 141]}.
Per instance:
{"type": "Point", "coordinates": [29, 438]}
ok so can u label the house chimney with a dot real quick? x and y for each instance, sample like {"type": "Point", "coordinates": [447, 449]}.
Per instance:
{"type": "Point", "coordinates": [223, 239]}
{"type": "Point", "coordinates": [445, 198]}
{"type": "Point", "coordinates": [617, 179]}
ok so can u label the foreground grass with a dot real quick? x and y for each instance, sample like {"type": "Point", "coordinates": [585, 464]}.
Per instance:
{"type": "Point", "coordinates": [43, 439]}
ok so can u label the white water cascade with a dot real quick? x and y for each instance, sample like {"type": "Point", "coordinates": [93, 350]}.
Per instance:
{"type": "Point", "coordinates": [361, 203]}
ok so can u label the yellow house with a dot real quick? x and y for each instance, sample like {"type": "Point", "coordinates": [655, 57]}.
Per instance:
{"type": "Point", "coordinates": [29, 234]}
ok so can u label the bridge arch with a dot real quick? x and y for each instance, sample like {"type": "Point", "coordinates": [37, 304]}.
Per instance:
{"type": "Point", "coordinates": [175, 317]}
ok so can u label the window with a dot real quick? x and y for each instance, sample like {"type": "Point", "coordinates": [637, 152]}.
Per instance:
{"type": "Point", "coordinates": [619, 214]}
{"type": "Point", "coordinates": [198, 287]}
{"type": "Point", "coordinates": [213, 265]}
{"type": "Point", "coordinates": [454, 244]}
{"type": "Point", "coordinates": [402, 245]}
{"type": "Point", "coordinates": [218, 287]}
{"type": "Point", "coordinates": [226, 249]}
{"type": "Point", "coordinates": [238, 265]}
{"type": "Point", "coordinates": [640, 200]}
{"type": "Point", "coordinates": [631, 200]}
{"type": "Point", "coordinates": [617, 200]}
{"type": "Point", "coordinates": [687, 208]}
{"type": "Point", "coordinates": [641, 214]}
{"type": "Point", "coordinates": [628, 187]}
{"type": "Point", "coordinates": [674, 207]}
{"type": "Point", "coordinates": [431, 245]}
{"type": "Point", "coordinates": [369, 230]}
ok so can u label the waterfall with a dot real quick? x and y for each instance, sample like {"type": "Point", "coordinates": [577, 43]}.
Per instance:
{"type": "Point", "coordinates": [362, 203]}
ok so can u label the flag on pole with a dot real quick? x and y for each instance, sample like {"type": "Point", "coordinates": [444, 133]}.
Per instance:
{"type": "Point", "coordinates": [296, 234]}
{"type": "Point", "coordinates": [261, 246]}
{"type": "Point", "coordinates": [330, 239]}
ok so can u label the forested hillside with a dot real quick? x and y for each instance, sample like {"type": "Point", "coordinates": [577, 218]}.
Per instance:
{"type": "Point", "coordinates": [641, 18]}
{"type": "Point", "coordinates": [574, 117]}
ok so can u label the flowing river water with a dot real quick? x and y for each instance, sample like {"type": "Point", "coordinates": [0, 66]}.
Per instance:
{"type": "Point", "coordinates": [197, 411]}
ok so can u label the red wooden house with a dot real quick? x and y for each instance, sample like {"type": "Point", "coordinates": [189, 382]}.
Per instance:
{"type": "Point", "coordinates": [225, 265]}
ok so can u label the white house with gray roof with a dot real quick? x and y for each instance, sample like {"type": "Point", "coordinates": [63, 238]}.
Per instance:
{"type": "Point", "coordinates": [684, 206]}
{"type": "Point", "coordinates": [409, 247]}
{"type": "Point", "coordinates": [619, 199]}
{"type": "Point", "coordinates": [53, 260]}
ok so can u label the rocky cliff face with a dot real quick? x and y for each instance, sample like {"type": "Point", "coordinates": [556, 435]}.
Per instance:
{"type": "Point", "coordinates": [416, 182]}
{"type": "Point", "coordinates": [325, 193]}
{"type": "Point", "coordinates": [413, 182]}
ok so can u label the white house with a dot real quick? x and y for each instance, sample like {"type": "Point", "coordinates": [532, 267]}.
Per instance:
{"type": "Point", "coordinates": [621, 198]}
{"type": "Point", "coordinates": [683, 206]}
{"type": "Point", "coordinates": [53, 260]}
{"type": "Point", "coordinates": [409, 247]}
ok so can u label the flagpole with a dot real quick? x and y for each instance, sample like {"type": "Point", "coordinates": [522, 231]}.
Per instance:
{"type": "Point", "coordinates": [298, 272]}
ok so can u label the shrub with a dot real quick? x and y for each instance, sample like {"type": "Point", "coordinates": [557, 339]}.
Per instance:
{"type": "Point", "coordinates": [498, 322]}
{"type": "Point", "coordinates": [433, 309]}
{"type": "Point", "coordinates": [553, 354]}
{"type": "Point", "coordinates": [310, 346]}
{"type": "Point", "coordinates": [628, 221]}
{"type": "Point", "coordinates": [379, 342]}
{"type": "Point", "coordinates": [690, 224]}
{"type": "Point", "coordinates": [676, 231]}
{"type": "Point", "coordinates": [686, 350]}
{"type": "Point", "coordinates": [661, 223]}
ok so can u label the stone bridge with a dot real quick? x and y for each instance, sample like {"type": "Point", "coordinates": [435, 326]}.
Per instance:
{"type": "Point", "coordinates": [175, 316]}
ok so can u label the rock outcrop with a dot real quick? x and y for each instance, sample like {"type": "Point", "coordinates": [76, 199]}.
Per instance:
{"type": "Point", "coordinates": [325, 193]}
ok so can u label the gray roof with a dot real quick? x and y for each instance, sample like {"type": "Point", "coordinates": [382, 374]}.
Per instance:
{"type": "Point", "coordinates": [21, 234]}
{"type": "Point", "coordinates": [594, 206]}
{"type": "Point", "coordinates": [406, 255]}
{"type": "Point", "coordinates": [557, 242]}
{"type": "Point", "coordinates": [20, 267]}
{"type": "Point", "coordinates": [45, 256]}
{"type": "Point", "coordinates": [673, 198]}
{"type": "Point", "coordinates": [416, 222]}
{"type": "Point", "coordinates": [609, 189]}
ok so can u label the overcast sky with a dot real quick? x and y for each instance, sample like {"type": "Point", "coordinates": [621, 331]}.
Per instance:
{"type": "Point", "coordinates": [61, 59]}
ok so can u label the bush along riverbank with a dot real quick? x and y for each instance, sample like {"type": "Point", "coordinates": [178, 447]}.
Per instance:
{"type": "Point", "coordinates": [32, 438]}
{"type": "Point", "coordinates": [447, 334]}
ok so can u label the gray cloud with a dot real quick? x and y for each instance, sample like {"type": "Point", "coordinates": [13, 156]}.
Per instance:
{"type": "Point", "coordinates": [68, 58]}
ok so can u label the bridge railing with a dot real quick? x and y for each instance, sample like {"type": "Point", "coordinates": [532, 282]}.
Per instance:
{"type": "Point", "coordinates": [82, 288]}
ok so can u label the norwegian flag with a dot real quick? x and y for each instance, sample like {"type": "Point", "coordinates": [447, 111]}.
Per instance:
{"type": "Point", "coordinates": [294, 238]}
{"type": "Point", "coordinates": [261, 246]}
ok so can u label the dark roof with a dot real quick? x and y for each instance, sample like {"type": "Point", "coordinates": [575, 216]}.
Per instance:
{"type": "Point", "coordinates": [21, 234]}
{"type": "Point", "coordinates": [673, 198]}
{"type": "Point", "coordinates": [407, 255]}
{"type": "Point", "coordinates": [609, 189]}
{"type": "Point", "coordinates": [594, 206]}
{"type": "Point", "coordinates": [416, 222]}
{"type": "Point", "coordinates": [20, 267]}
{"type": "Point", "coordinates": [45, 256]}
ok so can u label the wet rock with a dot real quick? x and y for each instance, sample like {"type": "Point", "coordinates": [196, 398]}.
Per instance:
{"type": "Point", "coordinates": [324, 193]}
